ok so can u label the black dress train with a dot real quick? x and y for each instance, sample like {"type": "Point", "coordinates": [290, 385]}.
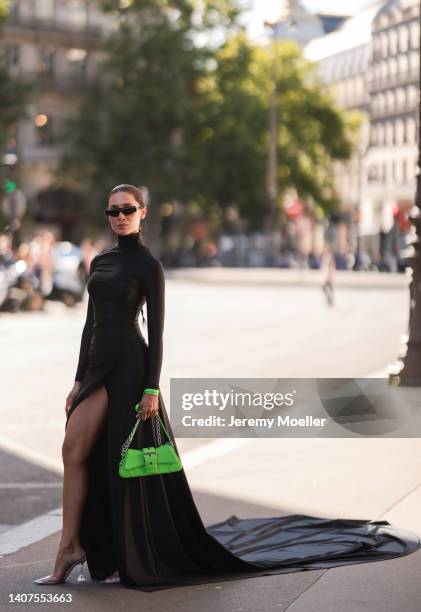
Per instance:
{"type": "Point", "coordinates": [149, 529]}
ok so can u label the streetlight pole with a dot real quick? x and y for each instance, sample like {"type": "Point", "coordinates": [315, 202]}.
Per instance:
{"type": "Point", "coordinates": [410, 374]}
{"type": "Point", "coordinates": [272, 178]}
{"type": "Point", "coordinates": [287, 21]}
{"type": "Point", "coordinates": [362, 151]}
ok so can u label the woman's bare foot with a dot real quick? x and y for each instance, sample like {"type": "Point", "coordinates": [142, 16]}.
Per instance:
{"type": "Point", "coordinates": [66, 559]}
{"type": "Point", "coordinates": [65, 555]}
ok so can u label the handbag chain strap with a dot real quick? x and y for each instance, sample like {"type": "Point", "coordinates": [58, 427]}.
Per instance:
{"type": "Point", "coordinates": [127, 443]}
{"type": "Point", "coordinates": [158, 430]}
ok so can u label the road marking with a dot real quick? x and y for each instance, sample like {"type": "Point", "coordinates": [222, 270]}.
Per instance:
{"type": "Point", "coordinates": [30, 485]}
{"type": "Point", "coordinates": [30, 532]}
{"type": "Point", "coordinates": [31, 455]}
{"type": "Point", "coordinates": [42, 526]}
{"type": "Point", "coordinates": [212, 450]}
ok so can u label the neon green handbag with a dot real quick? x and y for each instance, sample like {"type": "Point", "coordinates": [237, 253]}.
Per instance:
{"type": "Point", "coordinates": [148, 460]}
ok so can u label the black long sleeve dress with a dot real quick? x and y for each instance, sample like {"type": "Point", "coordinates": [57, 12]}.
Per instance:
{"type": "Point", "coordinates": [149, 529]}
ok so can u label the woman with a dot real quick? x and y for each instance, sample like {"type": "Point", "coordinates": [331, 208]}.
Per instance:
{"type": "Point", "coordinates": [147, 532]}
{"type": "Point", "coordinates": [328, 267]}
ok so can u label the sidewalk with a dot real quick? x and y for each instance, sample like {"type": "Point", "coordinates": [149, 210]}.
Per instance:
{"type": "Point", "coordinates": [385, 586]}
{"type": "Point", "coordinates": [294, 277]}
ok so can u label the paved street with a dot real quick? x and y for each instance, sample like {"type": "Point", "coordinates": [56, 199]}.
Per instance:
{"type": "Point", "coordinates": [225, 330]}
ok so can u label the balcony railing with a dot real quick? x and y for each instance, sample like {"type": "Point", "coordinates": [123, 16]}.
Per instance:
{"type": "Point", "coordinates": [32, 23]}
{"type": "Point", "coordinates": [403, 109]}
{"type": "Point", "coordinates": [400, 78]}
{"type": "Point", "coordinates": [57, 82]}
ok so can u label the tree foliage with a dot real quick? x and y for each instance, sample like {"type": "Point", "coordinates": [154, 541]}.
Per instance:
{"type": "Point", "coordinates": [14, 94]}
{"type": "Point", "coordinates": [191, 120]}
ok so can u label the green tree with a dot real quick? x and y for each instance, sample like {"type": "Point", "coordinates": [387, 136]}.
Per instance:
{"type": "Point", "coordinates": [234, 134]}
{"type": "Point", "coordinates": [202, 16]}
{"type": "Point", "coordinates": [4, 9]}
{"type": "Point", "coordinates": [132, 121]}
{"type": "Point", "coordinates": [191, 120]}
{"type": "Point", "coordinates": [14, 97]}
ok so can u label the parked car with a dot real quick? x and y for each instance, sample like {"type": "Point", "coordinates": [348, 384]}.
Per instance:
{"type": "Point", "coordinates": [68, 283]}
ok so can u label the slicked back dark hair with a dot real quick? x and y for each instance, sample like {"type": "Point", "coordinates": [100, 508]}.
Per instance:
{"type": "Point", "coordinates": [136, 192]}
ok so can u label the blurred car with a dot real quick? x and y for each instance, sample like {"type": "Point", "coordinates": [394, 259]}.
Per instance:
{"type": "Point", "coordinates": [69, 279]}
{"type": "Point", "coordinates": [21, 285]}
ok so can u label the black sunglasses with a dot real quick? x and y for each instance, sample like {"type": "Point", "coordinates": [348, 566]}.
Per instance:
{"type": "Point", "coordinates": [126, 210]}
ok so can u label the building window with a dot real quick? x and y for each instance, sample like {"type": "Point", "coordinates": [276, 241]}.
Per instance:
{"type": "Point", "coordinates": [45, 9]}
{"type": "Point", "coordinates": [400, 98]}
{"type": "Point", "coordinates": [383, 70]}
{"type": "Point", "coordinates": [384, 44]}
{"type": "Point", "coordinates": [373, 136]}
{"type": "Point", "coordinates": [389, 133]}
{"type": "Point", "coordinates": [13, 8]}
{"type": "Point", "coordinates": [372, 173]}
{"type": "Point", "coordinates": [398, 171]}
{"type": "Point", "coordinates": [399, 132]}
{"type": "Point", "coordinates": [403, 64]}
{"type": "Point", "coordinates": [412, 96]}
{"type": "Point", "coordinates": [380, 134]}
{"type": "Point", "coordinates": [404, 170]}
{"type": "Point", "coordinates": [390, 101]}
{"type": "Point", "coordinates": [393, 66]}
{"type": "Point", "coordinates": [415, 34]}
{"type": "Point", "coordinates": [77, 13]}
{"type": "Point", "coordinates": [374, 104]}
{"type": "Point", "coordinates": [376, 45]}
{"type": "Point", "coordinates": [403, 38]}
{"type": "Point", "coordinates": [44, 129]}
{"type": "Point", "coordinates": [393, 42]}
{"type": "Point", "coordinates": [45, 65]}
{"type": "Point", "coordinates": [407, 94]}
{"type": "Point", "coordinates": [410, 130]}
{"type": "Point", "coordinates": [414, 63]}
{"type": "Point", "coordinates": [11, 54]}
{"type": "Point", "coordinates": [77, 62]}
{"type": "Point", "coordinates": [382, 102]}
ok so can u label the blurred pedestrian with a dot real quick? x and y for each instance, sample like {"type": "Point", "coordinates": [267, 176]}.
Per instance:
{"type": "Point", "coordinates": [89, 250]}
{"type": "Point", "coordinates": [328, 267]}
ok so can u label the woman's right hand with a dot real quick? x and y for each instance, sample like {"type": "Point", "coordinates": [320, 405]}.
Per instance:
{"type": "Point", "coordinates": [72, 395]}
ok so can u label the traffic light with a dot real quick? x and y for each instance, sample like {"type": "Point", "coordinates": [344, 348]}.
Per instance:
{"type": "Point", "coordinates": [10, 186]}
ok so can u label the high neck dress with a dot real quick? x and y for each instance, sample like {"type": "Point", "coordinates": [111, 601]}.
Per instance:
{"type": "Point", "coordinates": [149, 528]}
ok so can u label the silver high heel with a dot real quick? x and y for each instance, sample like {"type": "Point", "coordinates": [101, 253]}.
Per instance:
{"type": "Point", "coordinates": [60, 579]}
{"type": "Point", "coordinates": [111, 579]}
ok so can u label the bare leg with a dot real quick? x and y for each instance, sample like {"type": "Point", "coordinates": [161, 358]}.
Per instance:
{"type": "Point", "coordinates": [82, 431]}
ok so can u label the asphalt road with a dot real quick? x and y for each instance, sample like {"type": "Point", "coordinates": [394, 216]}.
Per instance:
{"type": "Point", "coordinates": [210, 331]}
{"type": "Point", "coordinates": [227, 331]}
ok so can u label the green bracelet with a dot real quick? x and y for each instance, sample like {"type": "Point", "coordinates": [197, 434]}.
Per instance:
{"type": "Point", "coordinates": [151, 391]}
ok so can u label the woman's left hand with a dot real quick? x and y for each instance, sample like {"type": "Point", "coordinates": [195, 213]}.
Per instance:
{"type": "Point", "coordinates": [148, 405]}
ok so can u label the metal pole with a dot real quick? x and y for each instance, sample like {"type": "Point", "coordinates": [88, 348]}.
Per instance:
{"type": "Point", "coordinates": [410, 374]}
{"type": "Point", "coordinates": [272, 186]}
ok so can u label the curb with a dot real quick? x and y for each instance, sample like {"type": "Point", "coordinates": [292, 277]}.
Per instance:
{"type": "Point", "coordinates": [275, 277]}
